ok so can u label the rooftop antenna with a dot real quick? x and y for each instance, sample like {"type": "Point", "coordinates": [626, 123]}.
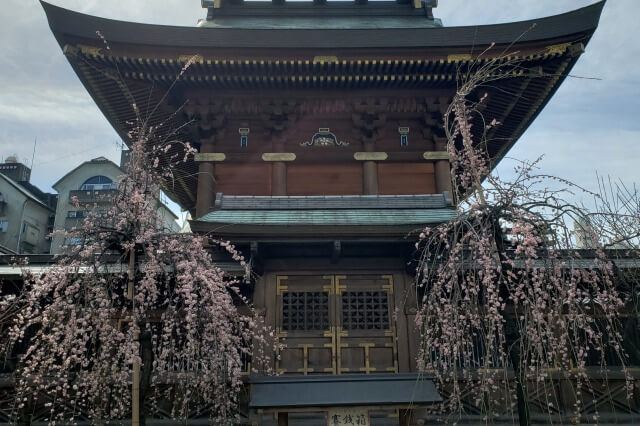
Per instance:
{"type": "Point", "coordinates": [33, 155]}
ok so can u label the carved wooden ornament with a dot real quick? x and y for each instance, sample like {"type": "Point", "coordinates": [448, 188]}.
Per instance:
{"type": "Point", "coordinates": [324, 138]}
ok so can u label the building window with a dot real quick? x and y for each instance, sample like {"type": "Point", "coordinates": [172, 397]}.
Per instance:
{"type": "Point", "coordinates": [98, 183]}
{"type": "Point", "coordinates": [73, 241]}
{"type": "Point", "coordinates": [76, 213]}
{"type": "Point", "coordinates": [4, 225]}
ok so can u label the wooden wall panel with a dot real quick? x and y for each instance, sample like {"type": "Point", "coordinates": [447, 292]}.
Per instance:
{"type": "Point", "coordinates": [243, 179]}
{"type": "Point", "coordinates": [406, 178]}
{"type": "Point", "coordinates": [320, 179]}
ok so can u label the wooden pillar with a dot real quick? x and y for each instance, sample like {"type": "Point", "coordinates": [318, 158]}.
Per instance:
{"type": "Point", "coordinates": [370, 172]}
{"type": "Point", "coordinates": [370, 176]}
{"type": "Point", "coordinates": [568, 397]}
{"type": "Point", "coordinates": [206, 194]}
{"type": "Point", "coordinates": [283, 419]}
{"type": "Point", "coordinates": [443, 169]}
{"type": "Point", "coordinates": [405, 417]}
{"type": "Point", "coordinates": [278, 170]}
{"type": "Point", "coordinates": [279, 178]}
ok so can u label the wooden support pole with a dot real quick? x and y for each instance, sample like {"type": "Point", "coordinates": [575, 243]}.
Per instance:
{"type": "Point", "coordinates": [135, 394]}
{"type": "Point", "coordinates": [405, 417]}
{"type": "Point", "coordinates": [443, 170]}
{"type": "Point", "coordinates": [283, 419]}
{"type": "Point", "coordinates": [443, 176]}
{"type": "Point", "coordinates": [206, 182]}
{"type": "Point", "coordinates": [370, 172]}
{"type": "Point", "coordinates": [279, 178]}
{"type": "Point", "coordinates": [278, 169]}
{"type": "Point", "coordinates": [370, 177]}
{"type": "Point", "coordinates": [568, 397]}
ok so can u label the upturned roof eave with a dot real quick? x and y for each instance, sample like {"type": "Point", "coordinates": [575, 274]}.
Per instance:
{"type": "Point", "coordinates": [66, 23]}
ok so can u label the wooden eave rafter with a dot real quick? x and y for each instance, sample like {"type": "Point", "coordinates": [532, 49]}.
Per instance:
{"type": "Point", "coordinates": [245, 73]}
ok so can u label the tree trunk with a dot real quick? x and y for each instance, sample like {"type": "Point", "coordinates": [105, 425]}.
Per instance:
{"type": "Point", "coordinates": [512, 335]}
{"type": "Point", "coordinates": [513, 347]}
{"type": "Point", "coordinates": [147, 366]}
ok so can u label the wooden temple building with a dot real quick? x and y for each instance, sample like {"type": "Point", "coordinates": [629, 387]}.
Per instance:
{"type": "Point", "coordinates": [321, 151]}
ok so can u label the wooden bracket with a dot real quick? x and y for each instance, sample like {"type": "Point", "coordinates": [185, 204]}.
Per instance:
{"type": "Point", "coordinates": [370, 156]}
{"type": "Point", "coordinates": [278, 156]}
{"type": "Point", "coordinates": [435, 155]}
{"type": "Point", "coordinates": [208, 156]}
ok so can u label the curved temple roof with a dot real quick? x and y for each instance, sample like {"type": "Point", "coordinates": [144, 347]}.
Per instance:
{"type": "Point", "coordinates": [388, 60]}
{"type": "Point", "coordinates": [67, 23]}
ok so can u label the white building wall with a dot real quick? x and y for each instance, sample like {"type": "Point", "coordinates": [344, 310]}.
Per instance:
{"type": "Point", "coordinates": [72, 182]}
{"type": "Point", "coordinates": [23, 221]}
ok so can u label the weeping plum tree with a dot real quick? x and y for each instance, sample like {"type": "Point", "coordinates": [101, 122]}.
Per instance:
{"type": "Point", "coordinates": [128, 297]}
{"type": "Point", "coordinates": [614, 222]}
{"type": "Point", "coordinates": [12, 301]}
{"type": "Point", "coordinates": [506, 302]}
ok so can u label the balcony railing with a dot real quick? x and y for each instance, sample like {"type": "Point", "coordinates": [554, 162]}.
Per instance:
{"type": "Point", "coordinates": [92, 196]}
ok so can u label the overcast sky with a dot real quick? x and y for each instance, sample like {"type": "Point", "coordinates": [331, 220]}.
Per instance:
{"type": "Point", "coordinates": [590, 124]}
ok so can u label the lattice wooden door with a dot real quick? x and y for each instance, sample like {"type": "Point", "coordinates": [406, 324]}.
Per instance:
{"type": "Point", "coordinates": [336, 324]}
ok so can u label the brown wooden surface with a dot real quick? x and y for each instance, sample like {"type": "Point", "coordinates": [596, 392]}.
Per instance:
{"type": "Point", "coordinates": [330, 179]}
{"type": "Point", "coordinates": [279, 178]}
{"type": "Point", "coordinates": [323, 156]}
{"type": "Point", "coordinates": [370, 178]}
{"type": "Point", "coordinates": [403, 178]}
{"type": "Point", "coordinates": [206, 188]}
{"type": "Point", "coordinates": [243, 179]}
{"type": "Point", "coordinates": [443, 176]}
